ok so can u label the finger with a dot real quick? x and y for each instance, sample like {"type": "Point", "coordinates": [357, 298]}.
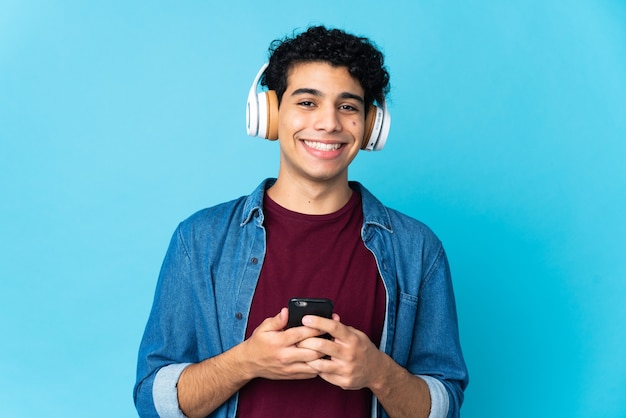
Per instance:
{"type": "Point", "coordinates": [323, 366]}
{"type": "Point", "coordinates": [275, 323]}
{"type": "Point", "coordinates": [295, 336]}
{"type": "Point", "coordinates": [330, 326]}
{"type": "Point", "coordinates": [321, 346]}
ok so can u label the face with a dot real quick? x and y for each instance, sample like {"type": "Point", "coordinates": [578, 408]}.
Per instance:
{"type": "Point", "coordinates": [320, 123]}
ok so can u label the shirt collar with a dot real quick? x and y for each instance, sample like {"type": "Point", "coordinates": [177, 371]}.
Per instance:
{"type": "Point", "coordinates": [374, 212]}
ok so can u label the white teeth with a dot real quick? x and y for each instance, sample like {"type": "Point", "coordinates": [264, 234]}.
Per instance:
{"type": "Point", "coordinates": [322, 146]}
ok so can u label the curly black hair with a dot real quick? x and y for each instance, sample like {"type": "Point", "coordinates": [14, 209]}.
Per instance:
{"type": "Point", "coordinates": [318, 43]}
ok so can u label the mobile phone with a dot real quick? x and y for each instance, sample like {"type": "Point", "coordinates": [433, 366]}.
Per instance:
{"type": "Point", "coordinates": [299, 307]}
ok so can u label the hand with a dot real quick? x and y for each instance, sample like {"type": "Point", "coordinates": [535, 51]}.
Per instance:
{"type": "Point", "coordinates": [354, 359]}
{"type": "Point", "coordinates": [274, 353]}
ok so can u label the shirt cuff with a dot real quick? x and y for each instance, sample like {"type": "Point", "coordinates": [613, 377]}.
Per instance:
{"type": "Point", "coordinates": [439, 401]}
{"type": "Point", "coordinates": [165, 391]}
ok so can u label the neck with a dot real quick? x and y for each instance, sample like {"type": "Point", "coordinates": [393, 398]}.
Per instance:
{"type": "Point", "coordinates": [310, 198]}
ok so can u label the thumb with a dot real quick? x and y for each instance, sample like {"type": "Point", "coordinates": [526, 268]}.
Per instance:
{"type": "Point", "coordinates": [275, 323]}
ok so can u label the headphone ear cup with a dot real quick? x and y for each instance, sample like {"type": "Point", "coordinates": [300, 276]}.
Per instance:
{"type": "Point", "coordinates": [267, 115]}
{"type": "Point", "coordinates": [262, 111]}
{"type": "Point", "coordinates": [252, 114]}
{"type": "Point", "coordinates": [370, 118]}
{"type": "Point", "coordinates": [377, 124]}
{"type": "Point", "coordinates": [272, 115]}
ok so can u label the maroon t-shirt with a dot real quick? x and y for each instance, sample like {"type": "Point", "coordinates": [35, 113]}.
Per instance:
{"type": "Point", "coordinates": [315, 256]}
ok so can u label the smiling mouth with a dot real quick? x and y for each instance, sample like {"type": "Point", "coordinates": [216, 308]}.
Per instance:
{"type": "Point", "coordinates": [321, 146]}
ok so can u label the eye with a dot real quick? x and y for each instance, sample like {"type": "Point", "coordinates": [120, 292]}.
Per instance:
{"type": "Point", "coordinates": [306, 103]}
{"type": "Point", "coordinates": [348, 108]}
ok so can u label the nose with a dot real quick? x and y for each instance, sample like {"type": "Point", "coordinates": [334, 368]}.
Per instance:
{"type": "Point", "coordinates": [327, 119]}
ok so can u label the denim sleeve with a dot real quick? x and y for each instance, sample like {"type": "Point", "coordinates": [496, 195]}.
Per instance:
{"type": "Point", "coordinates": [440, 355]}
{"type": "Point", "coordinates": [426, 340]}
{"type": "Point", "coordinates": [168, 343]}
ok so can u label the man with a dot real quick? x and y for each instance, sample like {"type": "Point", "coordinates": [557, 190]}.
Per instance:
{"type": "Point", "coordinates": [216, 344]}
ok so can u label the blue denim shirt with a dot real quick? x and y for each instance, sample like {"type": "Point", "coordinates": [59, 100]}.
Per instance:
{"type": "Point", "coordinates": [207, 282]}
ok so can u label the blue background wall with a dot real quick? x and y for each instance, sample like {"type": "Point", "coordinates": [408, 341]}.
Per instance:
{"type": "Point", "coordinates": [119, 119]}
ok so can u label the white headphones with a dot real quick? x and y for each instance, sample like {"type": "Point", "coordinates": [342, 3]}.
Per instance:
{"type": "Point", "coordinates": [262, 118]}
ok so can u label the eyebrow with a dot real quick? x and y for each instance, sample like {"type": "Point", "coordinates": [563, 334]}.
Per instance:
{"type": "Point", "coordinates": [315, 92]}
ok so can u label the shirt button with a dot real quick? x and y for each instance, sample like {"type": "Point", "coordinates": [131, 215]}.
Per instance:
{"type": "Point", "coordinates": [238, 315]}
{"type": "Point", "coordinates": [254, 260]}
